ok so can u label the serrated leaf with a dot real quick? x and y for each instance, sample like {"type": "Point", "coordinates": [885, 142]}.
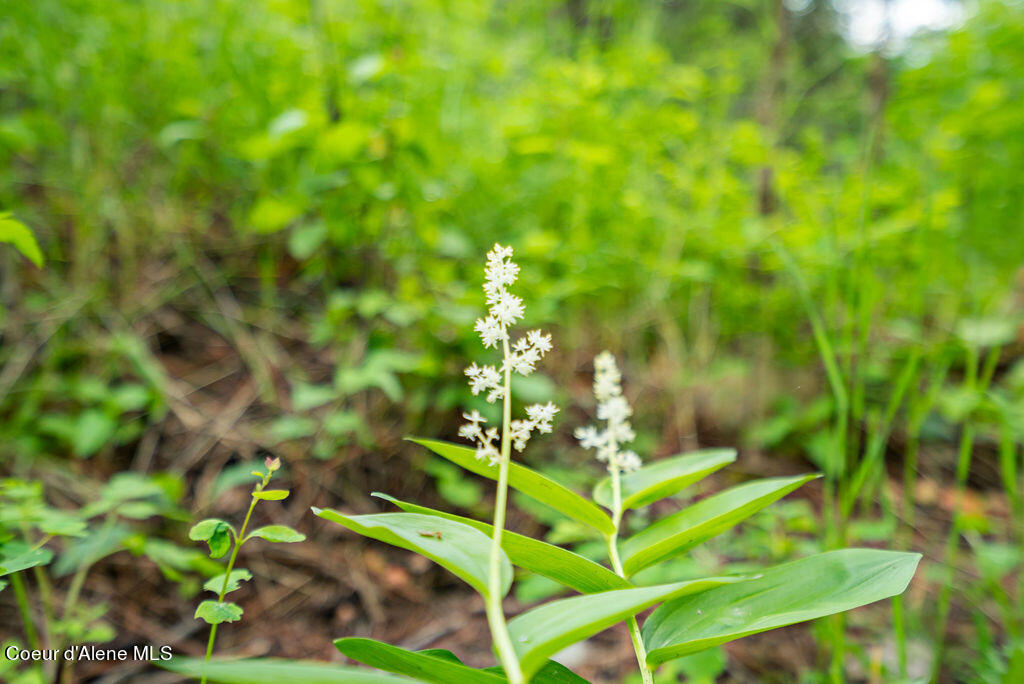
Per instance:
{"type": "Point", "coordinates": [566, 567]}
{"type": "Point", "coordinates": [806, 589]}
{"type": "Point", "coordinates": [460, 548]}
{"type": "Point", "coordinates": [216, 612]}
{"type": "Point", "coordinates": [216, 583]}
{"type": "Point", "coordinates": [663, 478]}
{"type": "Point", "coordinates": [277, 671]}
{"type": "Point", "coordinates": [543, 631]}
{"type": "Point", "coordinates": [703, 520]}
{"type": "Point", "coordinates": [271, 494]}
{"type": "Point", "coordinates": [276, 533]}
{"type": "Point", "coordinates": [527, 481]}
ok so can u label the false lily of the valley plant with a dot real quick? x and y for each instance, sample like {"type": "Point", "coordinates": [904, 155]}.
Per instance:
{"type": "Point", "coordinates": [691, 614]}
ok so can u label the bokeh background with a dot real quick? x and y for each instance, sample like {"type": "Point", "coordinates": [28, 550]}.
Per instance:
{"type": "Point", "coordinates": [799, 224]}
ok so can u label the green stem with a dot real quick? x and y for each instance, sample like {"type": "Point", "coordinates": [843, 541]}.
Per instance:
{"type": "Point", "coordinates": [963, 468]}
{"type": "Point", "coordinates": [495, 612]}
{"type": "Point", "coordinates": [20, 593]}
{"type": "Point", "coordinates": [239, 540]}
{"type": "Point", "coordinates": [613, 554]}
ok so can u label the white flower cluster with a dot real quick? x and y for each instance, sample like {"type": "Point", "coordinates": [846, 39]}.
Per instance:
{"type": "Point", "coordinates": [611, 407]}
{"type": "Point", "coordinates": [505, 309]}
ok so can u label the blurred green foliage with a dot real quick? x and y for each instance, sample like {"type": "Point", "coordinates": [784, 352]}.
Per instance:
{"type": "Point", "coordinates": [313, 182]}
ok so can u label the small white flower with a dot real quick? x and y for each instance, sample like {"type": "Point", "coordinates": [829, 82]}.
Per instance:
{"type": "Point", "coordinates": [501, 273]}
{"type": "Point", "coordinates": [470, 431]}
{"type": "Point", "coordinates": [508, 308]}
{"type": "Point", "coordinates": [542, 412]}
{"type": "Point", "coordinates": [589, 437]}
{"type": "Point", "coordinates": [504, 309]}
{"type": "Point", "coordinates": [540, 341]}
{"type": "Point", "coordinates": [491, 331]}
{"type": "Point", "coordinates": [482, 378]}
{"type": "Point", "coordinates": [629, 461]}
{"type": "Point", "coordinates": [613, 408]}
{"type": "Point", "coordinates": [498, 253]}
{"type": "Point", "coordinates": [487, 452]}
{"type": "Point", "coordinates": [519, 432]}
{"type": "Point", "coordinates": [525, 362]}
{"type": "Point", "coordinates": [622, 432]}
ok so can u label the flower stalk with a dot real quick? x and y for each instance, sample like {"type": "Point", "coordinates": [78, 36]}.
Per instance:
{"type": "Point", "coordinates": [522, 356]}
{"type": "Point", "coordinates": [495, 611]}
{"type": "Point", "coordinates": [613, 408]}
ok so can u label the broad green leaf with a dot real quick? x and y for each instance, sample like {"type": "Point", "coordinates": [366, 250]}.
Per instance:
{"type": "Point", "coordinates": [566, 567]}
{"type": "Point", "coordinates": [215, 532]}
{"type": "Point", "coordinates": [16, 233]}
{"type": "Point", "coordinates": [277, 671]}
{"type": "Point", "coordinates": [25, 560]}
{"type": "Point", "coordinates": [429, 666]}
{"type": "Point", "coordinates": [527, 481]}
{"type": "Point", "coordinates": [271, 494]}
{"type": "Point", "coordinates": [806, 589]}
{"type": "Point", "coordinates": [540, 632]}
{"type": "Point", "coordinates": [551, 672]}
{"type": "Point", "coordinates": [664, 478]}
{"type": "Point", "coordinates": [276, 533]}
{"type": "Point", "coordinates": [216, 612]}
{"type": "Point", "coordinates": [458, 547]}
{"type": "Point", "coordinates": [443, 667]}
{"type": "Point", "coordinates": [696, 524]}
{"type": "Point", "coordinates": [215, 584]}
{"type": "Point", "coordinates": [205, 529]}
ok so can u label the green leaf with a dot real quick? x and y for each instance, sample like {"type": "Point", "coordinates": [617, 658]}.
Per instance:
{"type": "Point", "coordinates": [25, 560]}
{"type": "Point", "coordinates": [566, 567]}
{"type": "Point", "coordinates": [441, 666]}
{"type": "Point", "coordinates": [215, 612]}
{"type": "Point", "coordinates": [703, 520]}
{"type": "Point", "coordinates": [306, 396]}
{"type": "Point", "coordinates": [16, 233]}
{"type": "Point", "coordinates": [306, 239]}
{"type": "Point", "coordinates": [551, 673]}
{"type": "Point", "coordinates": [429, 666]}
{"type": "Point", "coordinates": [276, 533]}
{"type": "Point", "coordinates": [271, 494]}
{"type": "Point", "coordinates": [91, 431]}
{"type": "Point", "coordinates": [542, 631]}
{"type": "Point", "coordinates": [663, 478]}
{"type": "Point", "coordinates": [458, 547]}
{"type": "Point", "coordinates": [527, 481]}
{"type": "Point", "coordinates": [276, 671]}
{"type": "Point", "coordinates": [215, 584]}
{"type": "Point", "coordinates": [806, 589]}
{"type": "Point", "coordinates": [62, 523]}
{"type": "Point", "coordinates": [215, 532]}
